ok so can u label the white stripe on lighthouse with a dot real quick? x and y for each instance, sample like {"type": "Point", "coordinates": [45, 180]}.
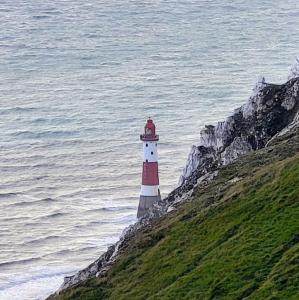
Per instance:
{"type": "Point", "coordinates": [150, 152]}
{"type": "Point", "coordinates": [149, 190]}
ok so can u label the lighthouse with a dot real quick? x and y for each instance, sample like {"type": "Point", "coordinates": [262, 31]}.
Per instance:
{"type": "Point", "coordinates": [150, 192]}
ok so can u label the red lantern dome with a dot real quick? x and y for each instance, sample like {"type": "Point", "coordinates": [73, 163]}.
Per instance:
{"type": "Point", "coordinates": [149, 131]}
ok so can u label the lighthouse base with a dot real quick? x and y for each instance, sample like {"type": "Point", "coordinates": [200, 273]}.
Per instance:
{"type": "Point", "coordinates": [146, 203]}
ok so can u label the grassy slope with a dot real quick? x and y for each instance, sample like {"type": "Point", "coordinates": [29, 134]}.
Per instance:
{"type": "Point", "coordinates": [236, 240]}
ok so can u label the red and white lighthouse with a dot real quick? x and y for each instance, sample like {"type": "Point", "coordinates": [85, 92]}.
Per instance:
{"type": "Point", "coordinates": [150, 192]}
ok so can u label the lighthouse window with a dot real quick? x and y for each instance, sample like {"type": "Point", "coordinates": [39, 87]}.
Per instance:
{"type": "Point", "coordinates": [148, 131]}
{"type": "Point", "coordinates": [152, 153]}
{"type": "Point", "coordinates": [146, 145]}
{"type": "Point", "coordinates": [146, 160]}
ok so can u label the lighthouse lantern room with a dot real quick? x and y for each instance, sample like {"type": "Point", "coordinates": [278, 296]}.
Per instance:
{"type": "Point", "coordinates": [150, 192]}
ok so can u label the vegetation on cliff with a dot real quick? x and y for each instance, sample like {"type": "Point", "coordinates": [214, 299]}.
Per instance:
{"type": "Point", "coordinates": [237, 239]}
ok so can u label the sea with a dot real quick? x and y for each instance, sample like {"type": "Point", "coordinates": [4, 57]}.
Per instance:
{"type": "Point", "coordinates": [78, 79]}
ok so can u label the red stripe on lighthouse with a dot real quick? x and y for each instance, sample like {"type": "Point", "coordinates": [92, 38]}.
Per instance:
{"type": "Point", "coordinates": [150, 173]}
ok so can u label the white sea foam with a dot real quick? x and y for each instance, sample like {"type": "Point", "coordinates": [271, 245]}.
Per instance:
{"type": "Point", "coordinates": [34, 287]}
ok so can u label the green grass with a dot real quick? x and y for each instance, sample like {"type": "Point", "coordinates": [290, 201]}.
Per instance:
{"type": "Point", "coordinates": [233, 241]}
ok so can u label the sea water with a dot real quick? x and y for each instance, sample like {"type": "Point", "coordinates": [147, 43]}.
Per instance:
{"type": "Point", "coordinates": [78, 80]}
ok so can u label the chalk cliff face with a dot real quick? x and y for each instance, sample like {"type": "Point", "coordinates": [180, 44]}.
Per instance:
{"type": "Point", "coordinates": [294, 72]}
{"type": "Point", "coordinates": [251, 126]}
{"type": "Point", "coordinates": [270, 112]}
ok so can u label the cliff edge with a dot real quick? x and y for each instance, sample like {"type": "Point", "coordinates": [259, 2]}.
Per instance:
{"type": "Point", "coordinates": [243, 172]}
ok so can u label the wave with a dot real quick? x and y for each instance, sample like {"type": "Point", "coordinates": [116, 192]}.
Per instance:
{"type": "Point", "coordinates": [127, 219]}
{"type": "Point", "coordinates": [69, 251]}
{"type": "Point", "coordinates": [18, 262]}
{"type": "Point", "coordinates": [60, 252]}
{"type": "Point", "coordinates": [53, 215]}
{"type": "Point", "coordinates": [14, 219]}
{"type": "Point", "coordinates": [28, 203]}
{"type": "Point", "coordinates": [34, 286]}
{"type": "Point", "coordinates": [45, 134]}
{"type": "Point", "coordinates": [17, 109]}
{"type": "Point", "coordinates": [41, 17]}
{"type": "Point", "coordinates": [42, 239]}
{"type": "Point", "coordinates": [124, 219]}
{"type": "Point", "coordinates": [8, 195]}
{"type": "Point", "coordinates": [112, 208]}
{"type": "Point", "coordinates": [120, 220]}
{"type": "Point", "coordinates": [45, 200]}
